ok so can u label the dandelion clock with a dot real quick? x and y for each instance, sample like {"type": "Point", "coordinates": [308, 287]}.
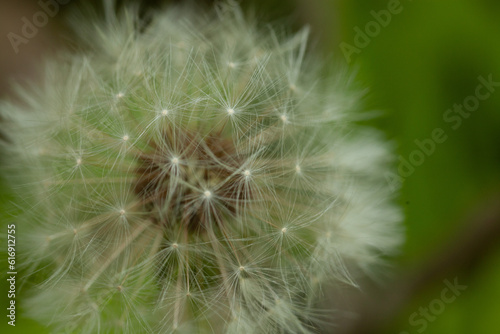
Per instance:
{"type": "Point", "coordinates": [201, 173]}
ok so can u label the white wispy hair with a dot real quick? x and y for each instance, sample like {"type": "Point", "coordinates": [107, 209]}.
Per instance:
{"type": "Point", "coordinates": [200, 174]}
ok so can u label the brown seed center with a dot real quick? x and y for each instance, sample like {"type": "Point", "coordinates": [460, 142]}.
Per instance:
{"type": "Point", "coordinates": [191, 180]}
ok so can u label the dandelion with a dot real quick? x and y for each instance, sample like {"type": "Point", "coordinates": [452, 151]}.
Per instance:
{"type": "Point", "coordinates": [202, 174]}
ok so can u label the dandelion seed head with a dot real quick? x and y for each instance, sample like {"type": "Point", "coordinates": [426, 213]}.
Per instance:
{"type": "Point", "coordinates": [226, 211]}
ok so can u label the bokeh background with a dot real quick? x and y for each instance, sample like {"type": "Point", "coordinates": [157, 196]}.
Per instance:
{"type": "Point", "coordinates": [424, 61]}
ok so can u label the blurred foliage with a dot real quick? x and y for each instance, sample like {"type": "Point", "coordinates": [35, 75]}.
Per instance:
{"type": "Point", "coordinates": [426, 60]}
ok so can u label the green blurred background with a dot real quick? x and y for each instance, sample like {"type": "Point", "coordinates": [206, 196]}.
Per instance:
{"type": "Point", "coordinates": [427, 59]}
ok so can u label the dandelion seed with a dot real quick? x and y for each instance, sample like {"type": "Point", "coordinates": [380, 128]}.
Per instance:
{"type": "Point", "coordinates": [247, 172]}
{"type": "Point", "coordinates": [298, 169]}
{"type": "Point", "coordinates": [175, 160]}
{"type": "Point", "coordinates": [230, 111]}
{"type": "Point", "coordinates": [207, 194]}
{"type": "Point", "coordinates": [164, 112]}
{"type": "Point", "coordinates": [125, 138]}
{"type": "Point", "coordinates": [120, 95]}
